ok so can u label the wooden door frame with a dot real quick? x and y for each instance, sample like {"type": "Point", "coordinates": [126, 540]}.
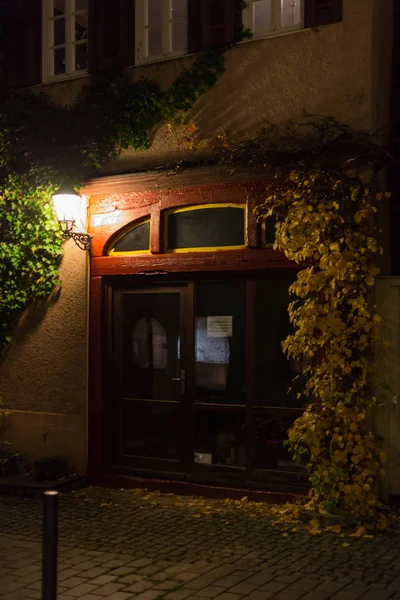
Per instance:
{"type": "Point", "coordinates": [115, 316]}
{"type": "Point", "coordinates": [99, 439]}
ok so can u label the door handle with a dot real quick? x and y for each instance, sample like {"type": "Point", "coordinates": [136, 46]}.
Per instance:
{"type": "Point", "coordinates": [182, 379]}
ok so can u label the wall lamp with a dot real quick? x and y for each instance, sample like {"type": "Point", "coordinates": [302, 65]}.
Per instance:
{"type": "Point", "coordinates": [70, 208]}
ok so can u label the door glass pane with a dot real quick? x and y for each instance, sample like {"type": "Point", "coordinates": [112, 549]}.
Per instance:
{"type": "Point", "coordinates": [80, 4]}
{"type": "Point", "coordinates": [150, 346]}
{"type": "Point", "coordinates": [59, 61]}
{"type": "Point", "coordinates": [220, 342]}
{"type": "Point", "coordinates": [290, 13]}
{"type": "Point", "coordinates": [150, 431]}
{"type": "Point", "coordinates": [270, 433]}
{"type": "Point", "coordinates": [220, 439]}
{"type": "Point", "coordinates": [154, 41]}
{"type": "Point", "coordinates": [274, 372]}
{"type": "Point", "coordinates": [262, 16]}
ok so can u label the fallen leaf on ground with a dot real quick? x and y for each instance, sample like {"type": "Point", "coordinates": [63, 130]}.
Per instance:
{"type": "Point", "coordinates": [359, 533]}
{"type": "Point", "coordinates": [334, 528]}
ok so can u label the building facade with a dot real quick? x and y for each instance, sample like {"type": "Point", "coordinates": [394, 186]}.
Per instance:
{"type": "Point", "coordinates": [161, 357]}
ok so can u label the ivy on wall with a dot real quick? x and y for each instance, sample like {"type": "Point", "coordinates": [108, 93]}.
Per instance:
{"type": "Point", "coordinates": [43, 145]}
{"type": "Point", "coordinates": [326, 222]}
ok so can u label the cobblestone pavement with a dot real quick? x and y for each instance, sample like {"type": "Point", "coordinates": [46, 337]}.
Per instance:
{"type": "Point", "coordinates": [120, 545]}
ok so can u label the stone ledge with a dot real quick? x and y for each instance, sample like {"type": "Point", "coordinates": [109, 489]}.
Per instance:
{"type": "Point", "coordinates": [26, 486]}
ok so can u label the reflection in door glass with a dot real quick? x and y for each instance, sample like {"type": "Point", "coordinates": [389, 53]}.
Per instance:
{"type": "Point", "coordinates": [220, 338]}
{"type": "Point", "coordinates": [270, 434]}
{"type": "Point", "coordinates": [220, 439]}
{"type": "Point", "coordinates": [150, 359]}
{"type": "Point", "coordinates": [149, 340]}
{"type": "Point", "coordinates": [278, 379]}
{"type": "Point", "coordinates": [212, 358]}
{"type": "Point", "coordinates": [150, 430]}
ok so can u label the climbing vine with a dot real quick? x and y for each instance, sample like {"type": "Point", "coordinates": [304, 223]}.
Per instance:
{"type": "Point", "coordinates": [43, 145]}
{"type": "Point", "coordinates": [326, 222]}
{"type": "Point", "coordinates": [30, 245]}
{"type": "Point", "coordinates": [327, 225]}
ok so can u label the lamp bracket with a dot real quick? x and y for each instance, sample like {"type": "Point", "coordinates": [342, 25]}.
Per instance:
{"type": "Point", "coordinates": [82, 240]}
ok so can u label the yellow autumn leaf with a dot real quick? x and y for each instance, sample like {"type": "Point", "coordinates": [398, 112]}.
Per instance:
{"type": "Point", "coordinates": [334, 528]}
{"type": "Point", "coordinates": [360, 532]}
{"type": "Point", "coordinates": [382, 523]}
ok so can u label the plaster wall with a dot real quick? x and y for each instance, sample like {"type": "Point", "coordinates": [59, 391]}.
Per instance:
{"type": "Point", "coordinates": [340, 70]}
{"type": "Point", "coordinates": [43, 374]}
{"type": "Point", "coordinates": [387, 418]}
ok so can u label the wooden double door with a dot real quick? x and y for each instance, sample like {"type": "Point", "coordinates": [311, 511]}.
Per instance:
{"type": "Point", "coordinates": [197, 373]}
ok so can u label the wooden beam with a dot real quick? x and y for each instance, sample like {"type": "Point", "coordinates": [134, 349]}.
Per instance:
{"type": "Point", "coordinates": [224, 260]}
{"type": "Point", "coordinates": [170, 179]}
{"type": "Point", "coordinates": [95, 405]}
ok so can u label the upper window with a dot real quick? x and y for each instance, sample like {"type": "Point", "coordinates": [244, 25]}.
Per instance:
{"type": "Point", "coordinates": [136, 240]}
{"type": "Point", "coordinates": [205, 228]}
{"type": "Point", "coordinates": [65, 38]}
{"type": "Point", "coordinates": [161, 29]}
{"type": "Point", "coordinates": [266, 17]}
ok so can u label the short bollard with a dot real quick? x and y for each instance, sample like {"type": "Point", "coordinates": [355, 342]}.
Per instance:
{"type": "Point", "coordinates": [50, 542]}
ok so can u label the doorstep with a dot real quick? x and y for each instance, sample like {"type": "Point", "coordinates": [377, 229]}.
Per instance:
{"type": "Point", "coordinates": [26, 486]}
{"type": "Point", "coordinates": [189, 488]}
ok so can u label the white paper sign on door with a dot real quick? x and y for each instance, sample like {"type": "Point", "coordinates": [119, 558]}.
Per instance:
{"type": "Point", "coordinates": [219, 326]}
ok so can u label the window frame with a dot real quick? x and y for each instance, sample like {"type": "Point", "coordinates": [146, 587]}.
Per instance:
{"type": "Point", "coordinates": [191, 208]}
{"type": "Point", "coordinates": [141, 28]}
{"type": "Point", "coordinates": [248, 21]}
{"type": "Point", "coordinates": [70, 43]}
{"type": "Point", "coordinates": [137, 223]}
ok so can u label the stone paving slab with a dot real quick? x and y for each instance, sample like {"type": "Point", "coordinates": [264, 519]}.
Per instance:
{"type": "Point", "coordinates": [119, 545]}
